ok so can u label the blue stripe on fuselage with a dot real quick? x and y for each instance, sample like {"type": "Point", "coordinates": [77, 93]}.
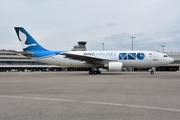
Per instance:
{"type": "Point", "coordinates": [42, 54]}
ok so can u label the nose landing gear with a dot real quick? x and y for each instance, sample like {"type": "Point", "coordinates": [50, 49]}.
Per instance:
{"type": "Point", "coordinates": [152, 70]}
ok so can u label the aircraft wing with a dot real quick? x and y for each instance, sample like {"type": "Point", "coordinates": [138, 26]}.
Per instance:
{"type": "Point", "coordinates": [88, 59]}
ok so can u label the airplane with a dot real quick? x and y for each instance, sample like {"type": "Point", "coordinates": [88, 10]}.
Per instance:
{"type": "Point", "coordinates": [94, 60]}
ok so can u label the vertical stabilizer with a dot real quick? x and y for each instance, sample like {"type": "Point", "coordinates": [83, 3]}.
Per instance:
{"type": "Point", "coordinates": [28, 43]}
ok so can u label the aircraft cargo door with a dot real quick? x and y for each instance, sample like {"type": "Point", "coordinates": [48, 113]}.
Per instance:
{"type": "Point", "coordinates": [155, 59]}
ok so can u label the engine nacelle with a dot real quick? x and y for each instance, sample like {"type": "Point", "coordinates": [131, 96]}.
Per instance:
{"type": "Point", "coordinates": [115, 66]}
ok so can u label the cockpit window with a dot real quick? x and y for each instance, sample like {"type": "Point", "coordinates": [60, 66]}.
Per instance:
{"type": "Point", "coordinates": [165, 55]}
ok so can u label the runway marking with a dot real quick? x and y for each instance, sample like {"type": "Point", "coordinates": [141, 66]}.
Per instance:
{"type": "Point", "coordinates": [93, 103]}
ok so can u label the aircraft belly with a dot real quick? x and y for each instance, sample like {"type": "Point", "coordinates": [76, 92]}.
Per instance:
{"type": "Point", "coordinates": [54, 60]}
{"type": "Point", "coordinates": [76, 63]}
{"type": "Point", "coordinates": [136, 63]}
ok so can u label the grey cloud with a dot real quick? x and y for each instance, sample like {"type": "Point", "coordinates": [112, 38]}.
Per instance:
{"type": "Point", "coordinates": [111, 24]}
{"type": "Point", "coordinates": [117, 37]}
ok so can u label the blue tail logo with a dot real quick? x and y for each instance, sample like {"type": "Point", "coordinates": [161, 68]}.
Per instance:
{"type": "Point", "coordinates": [28, 43]}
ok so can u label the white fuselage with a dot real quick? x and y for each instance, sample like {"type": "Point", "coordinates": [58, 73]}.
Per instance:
{"type": "Point", "coordinates": [134, 59]}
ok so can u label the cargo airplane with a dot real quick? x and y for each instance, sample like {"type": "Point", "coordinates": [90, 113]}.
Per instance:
{"type": "Point", "coordinates": [110, 60]}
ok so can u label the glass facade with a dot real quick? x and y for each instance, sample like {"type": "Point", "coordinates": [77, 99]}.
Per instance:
{"type": "Point", "coordinates": [21, 63]}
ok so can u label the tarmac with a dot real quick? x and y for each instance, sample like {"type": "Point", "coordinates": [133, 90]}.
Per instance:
{"type": "Point", "coordinates": [80, 96]}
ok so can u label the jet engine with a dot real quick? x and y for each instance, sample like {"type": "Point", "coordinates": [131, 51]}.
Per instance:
{"type": "Point", "coordinates": [114, 66]}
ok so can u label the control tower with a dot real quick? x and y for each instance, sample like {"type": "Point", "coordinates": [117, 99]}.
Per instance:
{"type": "Point", "coordinates": [80, 47]}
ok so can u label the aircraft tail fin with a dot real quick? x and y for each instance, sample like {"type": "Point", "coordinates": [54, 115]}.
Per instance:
{"type": "Point", "coordinates": [28, 43]}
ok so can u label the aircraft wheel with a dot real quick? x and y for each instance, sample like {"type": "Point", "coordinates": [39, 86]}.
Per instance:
{"type": "Point", "coordinates": [152, 72]}
{"type": "Point", "coordinates": [99, 72]}
{"type": "Point", "coordinates": [95, 72]}
{"type": "Point", "coordinates": [90, 72]}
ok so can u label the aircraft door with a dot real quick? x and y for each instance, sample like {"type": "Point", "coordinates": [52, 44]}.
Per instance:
{"type": "Point", "coordinates": [154, 60]}
{"type": "Point", "coordinates": [155, 57]}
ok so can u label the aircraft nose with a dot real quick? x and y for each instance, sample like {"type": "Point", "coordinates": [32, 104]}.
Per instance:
{"type": "Point", "coordinates": [171, 60]}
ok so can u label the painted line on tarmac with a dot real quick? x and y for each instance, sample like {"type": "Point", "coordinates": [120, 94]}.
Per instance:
{"type": "Point", "coordinates": [93, 103]}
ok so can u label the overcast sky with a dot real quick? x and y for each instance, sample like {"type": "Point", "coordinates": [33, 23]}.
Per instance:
{"type": "Point", "coordinates": [59, 24]}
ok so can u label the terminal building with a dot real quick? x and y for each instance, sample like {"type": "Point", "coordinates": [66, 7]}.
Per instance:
{"type": "Point", "coordinates": [11, 61]}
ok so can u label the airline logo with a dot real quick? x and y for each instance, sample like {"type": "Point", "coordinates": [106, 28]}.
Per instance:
{"type": "Point", "coordinates": [131, 56]}
{"type": "Point", "coordinates": [100, 54]}
{"type": "Point", "coordinates": [23, 38]}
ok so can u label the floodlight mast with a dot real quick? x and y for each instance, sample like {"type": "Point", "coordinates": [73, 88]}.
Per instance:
{"type": "Point", "coordinates": [103, 46]}
{"type": "Point", "coordinates": [132, 41]}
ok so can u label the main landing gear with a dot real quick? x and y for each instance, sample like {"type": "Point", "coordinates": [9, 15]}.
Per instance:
{"type": "Point", "coordinates": [94, 72]}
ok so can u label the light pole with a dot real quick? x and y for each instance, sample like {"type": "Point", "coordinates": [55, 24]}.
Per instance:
{"type": "Point", "coordinates": [163, 47]}
{"type": "Point", "coordinates": [103, 46]}
{"type": "Point", "coordinates": [132, 42]}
